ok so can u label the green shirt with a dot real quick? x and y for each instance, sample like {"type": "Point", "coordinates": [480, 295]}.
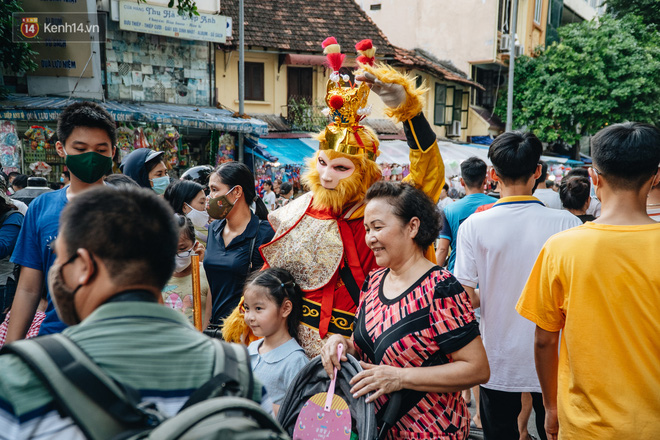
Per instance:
{"type": "Point", "coordinates": [144, 345]}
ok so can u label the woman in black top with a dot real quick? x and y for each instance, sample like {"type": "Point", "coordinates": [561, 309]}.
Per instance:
{"type": "Point", "coordinates": [574, 194]}
{"type": "Point", "coordinates": [234, 237]}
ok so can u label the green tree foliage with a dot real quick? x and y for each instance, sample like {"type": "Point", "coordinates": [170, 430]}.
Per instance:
{"type": "Point", "coordinates": [648, 10]}
{"type": "Point", "coordinates": [598, 74]}
{"type": "Point", "coordinates": [14, 57]}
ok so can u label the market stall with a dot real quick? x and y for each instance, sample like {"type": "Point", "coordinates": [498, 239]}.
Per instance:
{"type": "Point", "coordinates": [189, 135]}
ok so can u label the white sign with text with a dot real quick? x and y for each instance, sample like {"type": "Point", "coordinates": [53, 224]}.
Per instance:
{"type": "Point", "coordinates": [158, 20]}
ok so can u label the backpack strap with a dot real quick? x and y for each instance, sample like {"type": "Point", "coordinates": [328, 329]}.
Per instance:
{"type": "Point", "coordinates": [250, 264]}
{"type": "Point", "coordinates": [402, 401]}
{"type": "Point", "coordinates": [232, 375]}
{"type": "Point", "coordinates": [5, 216]}
{"type": "Point", "coordinates": [101, 407]}
{"type": "Point", "coordinates": [233, 408]}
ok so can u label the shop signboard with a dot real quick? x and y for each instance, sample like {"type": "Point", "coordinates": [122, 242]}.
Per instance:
{"type": "Point", "coordinates": [158, 20]}
{"type": "Point", "coordinates": [61, 32]}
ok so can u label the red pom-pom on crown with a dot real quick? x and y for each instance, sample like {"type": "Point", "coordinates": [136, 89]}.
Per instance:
{"type": "Point", "coordinates": [336, 102]}
{"type": "Point", "coordinates": [328, 41]}
{"type": "Point", "coordinates": [363, 45]}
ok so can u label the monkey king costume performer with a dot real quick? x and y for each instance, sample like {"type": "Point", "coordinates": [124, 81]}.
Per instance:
{"type": "Point", "coordinates": [320, 236]}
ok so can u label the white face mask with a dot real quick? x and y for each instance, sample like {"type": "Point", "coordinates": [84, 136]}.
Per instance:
{"type": "Point", "coordinates": [199, 219]}
{"type": "Point", "coordinates": [182, 262]}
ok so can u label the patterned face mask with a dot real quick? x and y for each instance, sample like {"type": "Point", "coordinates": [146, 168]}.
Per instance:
{"type": "Point", "coordinates": [219, 207]}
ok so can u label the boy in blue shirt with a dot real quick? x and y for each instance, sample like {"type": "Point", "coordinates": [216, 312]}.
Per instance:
{"type": "Point", "coordinates": [473, 178]}
{"type": "Point", "coordinates": [86, 139]}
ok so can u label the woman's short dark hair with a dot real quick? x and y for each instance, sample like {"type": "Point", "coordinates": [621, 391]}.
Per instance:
{"type": "Point", "coordinates": [236, 173]}
{"type": "Point", "coordinates": [185, 226]}
{"type": "Point", "coordinates": [281, 285]}
{"type": "Point", "coordinates": [409, 202]}
{"type": "Point", "coordinates": [269, 183]}
{"type": "Point", "coordinates": [180, 192]}
{"type": "Point", "coordinates": [574, 192]}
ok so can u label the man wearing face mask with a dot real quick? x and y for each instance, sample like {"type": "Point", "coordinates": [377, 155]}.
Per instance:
{"type": "Point", "coordinates": [108, 277]}
{"type": "Point", "coordinates": [86, 140]}
{"type": "Point", "coordinates": [147, 168]}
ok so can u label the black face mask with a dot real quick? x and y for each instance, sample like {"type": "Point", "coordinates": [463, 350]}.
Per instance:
{"type": "Point", "coordinates": [62, 295]}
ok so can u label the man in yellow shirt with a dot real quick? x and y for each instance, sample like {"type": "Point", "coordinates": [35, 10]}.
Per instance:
{"type": "Point", "coordinates": [599, 285]}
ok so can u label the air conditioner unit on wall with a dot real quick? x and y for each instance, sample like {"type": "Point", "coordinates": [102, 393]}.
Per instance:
{"type": "Point", "coordinates": [505, 42]}
{"type": "Point", "coordinates": [518, 50]}
{"type": "Point", "coordinates": [454, 130]}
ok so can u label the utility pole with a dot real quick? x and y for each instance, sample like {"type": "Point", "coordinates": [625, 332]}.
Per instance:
{"type": "Point", "coordinates": [241, 74]}
{"type": "Point", "coordinates": [512, 61]}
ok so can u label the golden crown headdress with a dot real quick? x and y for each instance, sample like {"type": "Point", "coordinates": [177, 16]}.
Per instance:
{"type": "Point", "coordinates": [347, 104]}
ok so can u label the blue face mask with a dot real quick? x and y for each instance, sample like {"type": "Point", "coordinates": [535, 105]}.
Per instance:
{"type": "Point", "coordinates": [159, 184]}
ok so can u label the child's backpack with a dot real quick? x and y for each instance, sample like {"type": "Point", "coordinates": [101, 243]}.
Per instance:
{"type": "Point", "coordinates": [106, 409]}
{"type": "Point", "coordinates": [313, 379]}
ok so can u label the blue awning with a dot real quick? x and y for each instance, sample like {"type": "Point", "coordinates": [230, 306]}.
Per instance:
{"type": "Point", "coordinates": [30, 108]}
{"type": "Point", "coordinates": [256, 153]}
{"type": "Point", "coordinates": [289, 151]}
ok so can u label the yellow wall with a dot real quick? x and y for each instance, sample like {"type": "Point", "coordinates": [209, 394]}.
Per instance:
{"type": "Point", "coordinates": [533, 33]}
{"type": "Point", "coordinates": [275, 88]}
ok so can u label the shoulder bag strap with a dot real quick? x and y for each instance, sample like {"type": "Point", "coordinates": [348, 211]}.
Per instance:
{"type": "Point", "coordinates": [229, 376]}
{"type": "Point", "coordinates": [402, 401]}
{"type": "Point", "coordinates": [100, 406]}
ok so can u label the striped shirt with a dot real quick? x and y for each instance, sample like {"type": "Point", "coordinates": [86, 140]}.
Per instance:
{"type": "Point", "coordinates": [433, 315]}
{"type": "Point", "coordinates": [146, 346]}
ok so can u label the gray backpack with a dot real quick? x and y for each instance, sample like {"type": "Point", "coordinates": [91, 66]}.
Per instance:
{"type": "Point", "coordinates": [106, 409]}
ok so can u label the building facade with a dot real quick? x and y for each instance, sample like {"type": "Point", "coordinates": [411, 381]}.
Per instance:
{"type": "Point", "coordinates": [472, 34]}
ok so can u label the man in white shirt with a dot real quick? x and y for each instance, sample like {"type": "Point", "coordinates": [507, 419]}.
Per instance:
{"type": "Point", "coordinates": [496, 250]}
{"type": "Point", "coordinates": [548, 196]}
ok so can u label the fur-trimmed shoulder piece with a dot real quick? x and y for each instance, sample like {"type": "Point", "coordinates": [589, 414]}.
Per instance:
{"type": "Point", "coordinates": [414, 96]}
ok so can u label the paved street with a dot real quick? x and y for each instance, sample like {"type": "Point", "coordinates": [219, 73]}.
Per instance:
{"type": "Point", "coordinates": [478, 435]}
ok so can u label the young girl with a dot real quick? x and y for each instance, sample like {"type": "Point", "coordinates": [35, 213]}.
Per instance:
{"type": "Point", "coordinates": [177, 293]}
{"type": "Point", "coordinates": [273, 307]}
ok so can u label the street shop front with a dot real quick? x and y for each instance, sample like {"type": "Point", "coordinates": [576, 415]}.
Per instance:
{"type": "Point", "coordinates": [189, 135]}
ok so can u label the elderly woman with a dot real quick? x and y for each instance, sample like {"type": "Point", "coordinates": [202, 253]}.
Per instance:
{"type": "Point", "coordinates": [415, 330]}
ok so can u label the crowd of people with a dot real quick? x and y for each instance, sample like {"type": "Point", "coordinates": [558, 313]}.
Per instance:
{"type": "Point", "coordinates": [541, 304]}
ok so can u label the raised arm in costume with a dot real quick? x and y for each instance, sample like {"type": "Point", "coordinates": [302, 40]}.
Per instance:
{"type": "Point", "coordinates": [319, 237]}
